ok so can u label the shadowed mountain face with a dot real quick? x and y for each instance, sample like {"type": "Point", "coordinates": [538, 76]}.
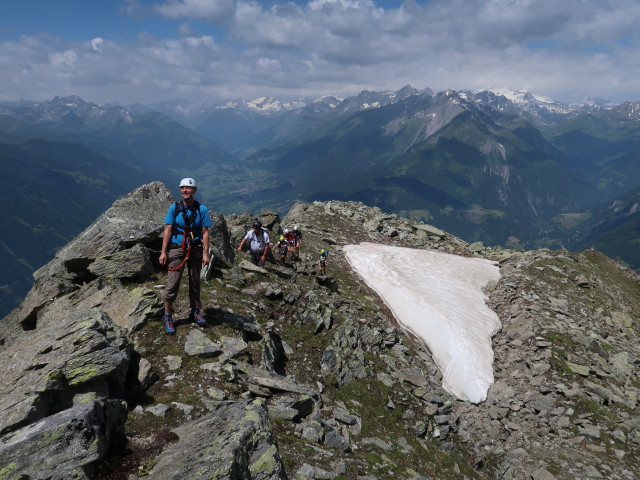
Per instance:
{"type": "Point", "coordinates": [50, 191]}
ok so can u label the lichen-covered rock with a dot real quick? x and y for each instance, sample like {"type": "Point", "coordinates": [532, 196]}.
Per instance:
{"type": "Point", "coordinates": [46, 368]}
{"type": "Point", "coordinates": [234, 441]}
{"type": "Point", "coordinates": [199, 344]}
{"type": "Point", "coordinates": [132, 263]}
{"type": "Point", "coordinates": [62, 446]}
{"type": "Point", "coordinates": [344, 358]}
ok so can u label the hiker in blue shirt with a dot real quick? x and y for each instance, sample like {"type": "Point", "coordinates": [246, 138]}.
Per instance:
{"type": "Point", "coordinates": [185, 242]}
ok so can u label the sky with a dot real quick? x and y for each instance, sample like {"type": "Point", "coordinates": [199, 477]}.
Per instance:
{"type": "Point", "coordinates": [439, 298]}
{"type": "Point", "coordinates": [144, 51]}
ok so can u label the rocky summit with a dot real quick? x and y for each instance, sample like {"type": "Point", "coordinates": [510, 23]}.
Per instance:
{"type": "Point", "coordinates": [307, 375]}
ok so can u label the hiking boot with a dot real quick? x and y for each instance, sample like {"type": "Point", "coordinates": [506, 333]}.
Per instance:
{"type": "Point", "coordinates": [198, 318]}
{"type": "Point", "coordinates": [167, 319]}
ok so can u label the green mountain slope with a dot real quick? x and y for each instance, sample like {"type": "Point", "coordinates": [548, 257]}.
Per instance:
{"type": "Point", "coordinates": [603, 148]}
{"type": "Point", "coordinates": [612, 228]}
{"type": "Point", "coordinates": [50, 191]}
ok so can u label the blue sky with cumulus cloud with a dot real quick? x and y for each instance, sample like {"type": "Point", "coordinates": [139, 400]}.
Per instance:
{"type": "Point", "coordinates": [147, 51]}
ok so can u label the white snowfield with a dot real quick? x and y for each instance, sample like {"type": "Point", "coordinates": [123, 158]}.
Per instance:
{"type": "Point", "coordinates": [439, 298]}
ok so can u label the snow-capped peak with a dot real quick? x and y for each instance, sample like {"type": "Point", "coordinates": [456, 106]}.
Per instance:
{"type": "Point", "coordinates": [517, 96]}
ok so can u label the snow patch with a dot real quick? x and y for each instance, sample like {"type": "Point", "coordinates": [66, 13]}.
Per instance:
{"type": "Point", "coordinates": [439, 298]}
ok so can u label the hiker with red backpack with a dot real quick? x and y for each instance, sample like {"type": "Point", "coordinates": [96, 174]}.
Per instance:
{"type": "Point", "coordinates": [185, 243]}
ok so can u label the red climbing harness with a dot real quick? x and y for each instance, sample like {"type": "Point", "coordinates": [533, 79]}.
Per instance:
{"type": "Point", "coordinates": [188, 238]}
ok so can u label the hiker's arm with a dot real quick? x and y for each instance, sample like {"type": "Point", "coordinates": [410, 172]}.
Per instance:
{"type": "Point", "coordinates": [165, 244]}
{"type": "Point", "coordinates": [266, 252]}
{"type": "Point", "coordinates": [241, 246]}
{"type": "Point", "coordinates": [205, 246]}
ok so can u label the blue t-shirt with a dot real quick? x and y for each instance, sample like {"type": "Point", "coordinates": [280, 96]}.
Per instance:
{"type": "Point", "coordinates": [198, 220]}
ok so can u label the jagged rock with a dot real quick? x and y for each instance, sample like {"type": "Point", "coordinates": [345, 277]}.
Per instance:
{"type": "Point", "coordinates": [311, 430]}
{"type": "Point", "coordinates": [308, 471]}
{"type": "Point", "coordinates": [134, 219]}
{"type": "Point", "coordinates": [128, 308]}
{"type": "Point", "coordinates": [537, 405]}
{"type": "Point", "coordinates": [274, 353]}
{"type": "Point", "coordinates": [344, 358]}
{"type": "Point", "coordinates": [240, 323]}
{"type": "Point", "coordinates": [45, 368]}
{"type": "Point", "coordinates": [159, 409]}
{"type": "Point", "coordinates": [542, 474]}
{"type": "Point", "coordinates": [216, 394]}
{"type": "Point", "coordinates": [199, 344]}
{"type": "Point", "coordinates": [235, 275]}
{"type": "Point", "coordinates": [273, 293]}
{"type": "Point", "coordinates": [250, 267]}
{"type": "Point", "coordinates": [344, 417]}
{"type": "Point", "coordinates": [292, 408]}
{"type": "Point", "coordinates": [146, 375]}
{"type": "Point", "coordinates": [233, 441]}
{"type": "Point", "coordinates": [132, 263]}
{"type": "Point", "coordinates": [220, 249]}
{"type": "Point", "coordinates": [273, 381]}
{"type": "Point", "coordinates": [183, 407]}
{"type": "Point", "coordinates": [293, 294]}
{"type": "Point", "coordinates": [579, 369]}
{"type": "Point", "coordinates": [333, 439]}
{"type": "Point", "coordinates": [386, 446]}
{"type": "Point", "coordinates": [327, 281]}
{"type": "Point", "coordinates": [65, 445]}
{"type": "Point", "coordinates": [174, 362]}
{"type": "Point", "coordinates": [232, 347]}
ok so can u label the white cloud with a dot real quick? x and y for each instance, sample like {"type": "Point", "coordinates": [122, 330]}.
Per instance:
{"type": "Point", "coordinates": [96, 44]}
{"type": "Point", "coordinates": [63, 59]}
{"type": "Point", "coordinates": [565, 50]}
{"type": "Point", "coordinates": [205, 10]}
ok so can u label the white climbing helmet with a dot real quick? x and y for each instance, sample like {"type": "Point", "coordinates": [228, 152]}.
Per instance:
{"type": "Point", "coordinates": [188, 182]}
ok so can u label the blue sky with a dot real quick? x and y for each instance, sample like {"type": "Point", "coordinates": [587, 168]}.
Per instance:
{"type": "Point", "coordinates": [145, 51]}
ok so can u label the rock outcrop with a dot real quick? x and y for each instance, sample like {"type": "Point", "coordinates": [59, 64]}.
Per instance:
{"type": "Point", "coordinates": [306, 375]}
{"type": "Point", "coordinates": [233, 441]}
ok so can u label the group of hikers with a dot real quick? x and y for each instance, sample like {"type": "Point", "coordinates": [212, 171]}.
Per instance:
{"type": "Point", "coordinates": [186, 243]}
{"type": "Point", "coordinates": [257, 241]}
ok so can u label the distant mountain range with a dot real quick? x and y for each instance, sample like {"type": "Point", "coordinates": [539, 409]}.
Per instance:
{"type": "Point", "coordinates": [500, 166]}
{"type": "Point", "coordinates": [64, 161]}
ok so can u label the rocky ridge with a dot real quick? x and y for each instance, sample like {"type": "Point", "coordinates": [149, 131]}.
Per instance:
{"type": "Point", "coordinates": [303, 375]}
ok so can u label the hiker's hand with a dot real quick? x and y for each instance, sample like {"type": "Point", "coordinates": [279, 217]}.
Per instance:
{"type": "Point", "coordinates": [163, 258]}
{"type": "Point", "coordinates": [205, 259]}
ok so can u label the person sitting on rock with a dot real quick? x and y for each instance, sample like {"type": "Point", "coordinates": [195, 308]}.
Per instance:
{"type": "Point", "coordinates": [185, 242]}
{"type": "Point", "coordinates": [259, 243]}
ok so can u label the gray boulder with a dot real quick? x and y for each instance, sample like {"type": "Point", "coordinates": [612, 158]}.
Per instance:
{"type": "Point", "coordinates": [131, 264]}
{"type": "Point", "coordinates": [62, 446]}
{"type": "Point", "coordinates": [235, 440]}
{"type": "Point", "coordinates": [47, 368]}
